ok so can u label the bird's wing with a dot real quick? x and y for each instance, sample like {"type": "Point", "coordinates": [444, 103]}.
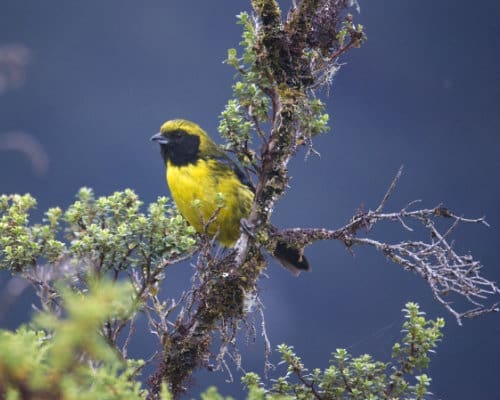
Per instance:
{"type": "Point", "coordinates": [227, 162]}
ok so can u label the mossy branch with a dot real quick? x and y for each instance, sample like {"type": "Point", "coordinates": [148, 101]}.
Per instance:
{"type": "Point", "coordinates": [279, 69]}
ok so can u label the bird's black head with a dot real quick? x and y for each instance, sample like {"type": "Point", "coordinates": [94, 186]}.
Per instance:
{"type": "Point", "coordinates": [178, 144]}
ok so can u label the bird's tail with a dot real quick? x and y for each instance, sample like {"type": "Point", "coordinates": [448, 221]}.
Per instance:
{"type": "Point", "coordinates": [291, 258]}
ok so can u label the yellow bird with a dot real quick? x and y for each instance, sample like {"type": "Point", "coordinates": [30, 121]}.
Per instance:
{"type": "Point", "coordinates": [206, 184]}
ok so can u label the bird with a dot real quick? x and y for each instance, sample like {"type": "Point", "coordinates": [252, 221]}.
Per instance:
{"type": "Point", "coordinates": [207, 185]}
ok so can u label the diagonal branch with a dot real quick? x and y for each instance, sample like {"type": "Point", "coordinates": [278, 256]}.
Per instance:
{"type": "Point", "coordinates": [436, 260]}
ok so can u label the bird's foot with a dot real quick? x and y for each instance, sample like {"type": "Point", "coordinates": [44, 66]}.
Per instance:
{"type": "Point", "coordinates": [247, 227]}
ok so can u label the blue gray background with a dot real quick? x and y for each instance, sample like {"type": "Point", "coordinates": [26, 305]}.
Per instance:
{"type": "Point", "coordinates": [424, 91]}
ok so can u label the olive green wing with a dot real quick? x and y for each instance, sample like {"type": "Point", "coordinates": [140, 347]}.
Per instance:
{"type": "Point", "coordinates": [227, 162]}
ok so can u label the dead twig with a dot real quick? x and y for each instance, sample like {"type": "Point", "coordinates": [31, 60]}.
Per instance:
{"type": "Point", "coordinates": [435, 259]}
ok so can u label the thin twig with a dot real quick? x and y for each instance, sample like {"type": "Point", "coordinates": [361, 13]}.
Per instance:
{"type": "Point", "coordinates": [437, 261]}
{"type": "Point", "coordinates": [390, 190]}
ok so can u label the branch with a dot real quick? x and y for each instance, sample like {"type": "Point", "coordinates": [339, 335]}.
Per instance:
{"type": "Point", "coordinates": [436, 259]}
{"type": "Point", "coordinates": [293, 57]}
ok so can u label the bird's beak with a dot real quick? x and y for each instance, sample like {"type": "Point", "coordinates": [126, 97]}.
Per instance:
{"type": "Point", "coordinates": [158, 137]}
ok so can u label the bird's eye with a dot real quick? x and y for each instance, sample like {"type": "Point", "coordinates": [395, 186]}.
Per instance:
{"type": "Point", "coordinates": [177, 134]}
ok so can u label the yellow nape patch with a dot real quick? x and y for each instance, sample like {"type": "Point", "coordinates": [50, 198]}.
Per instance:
{"type": "Point", "coordinates": [200, 190]}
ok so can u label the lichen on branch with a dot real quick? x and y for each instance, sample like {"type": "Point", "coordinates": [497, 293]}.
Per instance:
{"type": "Point", "coordinates": [450, 275]}
{"type": "Point", "coordinates": [281, 65]}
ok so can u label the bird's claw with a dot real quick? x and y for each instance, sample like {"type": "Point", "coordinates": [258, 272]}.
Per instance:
{"type": "Point", "coordinates": [247, 227]}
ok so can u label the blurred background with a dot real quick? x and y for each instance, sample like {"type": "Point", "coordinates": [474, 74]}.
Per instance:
{"type": "Point", "coordinates": [424, 91]}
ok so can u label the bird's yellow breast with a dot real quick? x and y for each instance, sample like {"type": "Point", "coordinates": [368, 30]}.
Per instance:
{"type": "Point", "coordinates": [197, 189]}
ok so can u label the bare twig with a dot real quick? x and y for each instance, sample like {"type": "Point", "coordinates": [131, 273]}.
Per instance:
{"type": "Point", "coordinates": [436, 260]}
{"type": "Point", "coordinates": [390, 190]}
{"type": "Point", "coordinates": [131, 330]}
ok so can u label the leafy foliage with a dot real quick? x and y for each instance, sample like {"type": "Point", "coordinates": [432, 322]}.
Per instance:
{"type": "Point", "coordinates": [361, 377]}
{"type": "Point", "coordinates": [254, 101]}
{"type": "Point", "coordinates": [68, 358]}
{"type": "Point", "coordinates": [110, 233]}
{"type": "Point", "coordinates": [74, 341]}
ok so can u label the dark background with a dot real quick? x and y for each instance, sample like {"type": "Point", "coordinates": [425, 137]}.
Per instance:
{"type": "Point", "coordinates": [424, 91]}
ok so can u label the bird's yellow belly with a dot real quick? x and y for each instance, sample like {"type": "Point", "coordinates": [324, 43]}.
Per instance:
{"type": "Point", "coordinates": [197, 191]}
